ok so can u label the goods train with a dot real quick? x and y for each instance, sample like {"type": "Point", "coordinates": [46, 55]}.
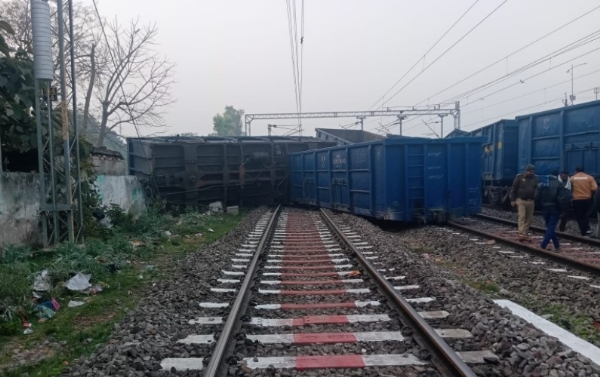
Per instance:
{"type": "Point", "coordinates": [196, 171]}
{"type": "Point", "coordinates": [561, 138]}
{"type": "Point", "coordinates": [397, 178]}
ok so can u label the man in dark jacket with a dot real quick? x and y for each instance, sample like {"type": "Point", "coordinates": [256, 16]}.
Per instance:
{"type": "Point", "coordinates": [521, 195]}
{"type": "Point", "coordinates": [549, 195]}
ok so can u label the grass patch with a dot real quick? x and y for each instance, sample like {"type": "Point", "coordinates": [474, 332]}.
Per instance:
{"type": "Point", "coordinates": [484, 286]}
{"type": "Point", "coordinates": [123, 260]}
{"type": "Point", "coordinates": [420, 249]}
{"type": "Point", "coordinates": [581, 326]}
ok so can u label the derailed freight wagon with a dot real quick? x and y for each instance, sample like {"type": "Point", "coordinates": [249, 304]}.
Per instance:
{"type": "Point", "coordinates": [398, 178]}
{"type": "Point", "coordinates": [196, 171]}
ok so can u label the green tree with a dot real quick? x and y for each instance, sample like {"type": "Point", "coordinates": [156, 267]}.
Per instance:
{"type": "Point", "coordinates": [229, 123]}
{"type": "Point", "coordinates": [17, 124]}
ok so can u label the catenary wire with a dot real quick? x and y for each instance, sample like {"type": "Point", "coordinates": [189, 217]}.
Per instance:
{"type": "Point", "coordinates": [424, 55]}
{"type": "Point", "coordinates": [445, 52]}
{"type": "Point", "coordinates": [511, 54]}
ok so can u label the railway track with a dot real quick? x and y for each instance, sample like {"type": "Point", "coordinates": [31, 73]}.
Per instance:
{"type": "Point", "coordinates": [582, 253]}
{"type": "Point", "coordinates": [306, 294]}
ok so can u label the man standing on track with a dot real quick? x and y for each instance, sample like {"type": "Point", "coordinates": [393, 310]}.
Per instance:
{"type": "Point", "coordinates": [549, 195]}
{"type": "Point", "coordinates": [583, 187]}
{"type": "Point", "coordinates": [521, 195]}
{"type": "Point", "coordinates": [564, 216]}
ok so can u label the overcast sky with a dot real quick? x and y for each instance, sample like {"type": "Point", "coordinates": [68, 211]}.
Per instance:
{"type": "Point", "coordinates": [238, 53]}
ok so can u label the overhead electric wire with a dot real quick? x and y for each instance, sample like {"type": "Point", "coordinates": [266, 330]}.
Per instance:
{"type": "Point", "coordinates": [523, 95]}
{"type": "Point", "coordinates": [425, 54]}
{"type": "Point", "coordinates": [512, 53]}
{"type": "Point", "coordinates": [568, 48]}
{"type": "Point", "coordinates": [523, 109]}
{"type": "Point", "coordinates": [445, 52]}
{"type": "Point", "coordinates": [572, 46]}
{"type": "Point", "coordinates": [297, 59]}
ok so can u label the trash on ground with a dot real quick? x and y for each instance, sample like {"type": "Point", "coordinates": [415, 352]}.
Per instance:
{"type": "Point", "coordinates": [41, 282]}
{"type": "Point", "coordinates": [168, 234]}
{"type": "Point", "coordinates": [93, 290]}
{"type": "Point", "coordinates": [55, 304]}
{"type": "Point", "coordinates": [210, 230]}
{"type": "Point", "coordinates": [28, 331]}
{"type": "Point", "coordinates": [44, 312]}
{"type": "Point", "coordinates": [149, 267]}
{"type": "Point", "coordinates": [75, 304]}
{"type": "Point", "coordinates": [215, 207]}
{"type": "Point", "coordinates": [79, 282]}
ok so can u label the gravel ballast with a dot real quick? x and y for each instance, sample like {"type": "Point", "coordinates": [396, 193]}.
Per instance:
{"type": "Point", "coordinates": [150, 333]}
{"type": "Point", "coordinates": [521, 348]}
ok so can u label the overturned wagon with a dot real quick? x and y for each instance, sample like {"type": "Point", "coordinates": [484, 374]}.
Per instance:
{"type": "Point", "coordinates": [196, 171]}
{"type": "Point", "coordinates": [398, 178]}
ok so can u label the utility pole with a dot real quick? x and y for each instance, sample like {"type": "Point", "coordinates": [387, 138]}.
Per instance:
{"type": "Point", "coordinates": [572, 98]}
{"type": "Point", "coordinates": [442, 122]}
{"type": "Point", "coordinates": [596, 91]}
{"type": "Point", "coordinates": [361, 118]}
{"type": "Point", "coordinates": [65, 120]}
{"type": "Point", "coordinates": [400, 119]}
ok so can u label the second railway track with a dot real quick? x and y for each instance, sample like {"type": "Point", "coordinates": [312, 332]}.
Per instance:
{"type": "Point", "coordinates": [309, 296]}
{"type": "Point", "coordinates": [579, 252]}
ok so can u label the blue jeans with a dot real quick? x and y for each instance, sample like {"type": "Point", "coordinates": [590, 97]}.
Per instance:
{"type": "Point", "coordinates": [551, 218]}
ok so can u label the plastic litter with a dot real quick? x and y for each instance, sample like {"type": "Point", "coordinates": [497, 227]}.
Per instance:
{"type": "Point", "coordinates": [75, 304]}
{"type": "Point", "coordinates": [210, 230]}
{"type": "Point", "coordinates": [44, 311]}
{"type": "Point", "coordinates": [41, 282]}
{"type": "Point", "coordinates": [168, 234]}
{"type": "Point", "coordinates": [27, 331]}
{"type": "Point", "coordinates": [215, 207]}
{"type": "Point", "coordinates": [79, 282]}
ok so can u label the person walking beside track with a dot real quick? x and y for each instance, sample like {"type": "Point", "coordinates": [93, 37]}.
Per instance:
{"type": "Point", "coordinates": [521, 195]}
{"type": "Point", "coordinates": [583, 187]}
{"type": "Point", "coordinates": [551, 195]}
{"type": "Point", "coordinates": [564, 215]}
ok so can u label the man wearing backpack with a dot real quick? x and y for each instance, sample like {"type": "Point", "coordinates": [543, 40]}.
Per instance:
{"type": "Point", "coordinates": [551, 196]}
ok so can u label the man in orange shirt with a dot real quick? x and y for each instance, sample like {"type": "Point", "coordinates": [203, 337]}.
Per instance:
{"type": "Point", "coordinates": [583, 187]}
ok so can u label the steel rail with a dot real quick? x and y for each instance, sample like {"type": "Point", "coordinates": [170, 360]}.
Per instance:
{"type": "Point", "coordinates": [572, 262]}
{"type": "Point", "coordinates": [451, 362]}
{"type": "Point", "coordinates": [216, 359]}
{"type": "Point", "coordinates": [564, 235]}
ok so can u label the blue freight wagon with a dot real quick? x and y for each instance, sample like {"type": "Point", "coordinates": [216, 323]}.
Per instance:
{"type": "Point", "coordinates": [499, 159]}
{"type": "Point", "coordinates": [562, 138]}
{"type": "Point", "coordinates": [401, 179]}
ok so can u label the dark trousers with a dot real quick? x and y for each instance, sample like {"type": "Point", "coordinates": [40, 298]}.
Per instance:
{"type": "Point", "coordinates": [582, 209]}
{"type": "Point", "coordinates": [564, 219]}
{"type": "Point", "coordinates": [551, 219]}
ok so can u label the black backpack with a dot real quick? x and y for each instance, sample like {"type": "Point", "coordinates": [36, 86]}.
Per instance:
{"type": "Point", "coordinates": [565, 196]}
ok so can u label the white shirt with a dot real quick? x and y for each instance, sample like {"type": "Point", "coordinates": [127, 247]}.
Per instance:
{"type": "Point", "coordinates": [567, 185]}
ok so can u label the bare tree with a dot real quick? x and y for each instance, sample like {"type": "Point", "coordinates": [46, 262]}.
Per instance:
{"type": "Point", "coordinates": [124, 79]}
{"type": "Point", "coordinates": [86, 36]}
{"type": "Point", "coordinates": [133, 87]}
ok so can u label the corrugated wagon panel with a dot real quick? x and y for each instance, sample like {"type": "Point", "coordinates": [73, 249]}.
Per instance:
{"type": "Point", "coordinates": [561, 138]}
{"type": "Point", "coordinates": [399, 179]}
